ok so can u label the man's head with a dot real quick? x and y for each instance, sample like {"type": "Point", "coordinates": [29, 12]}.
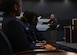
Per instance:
{"type": "Point", "coordinates": [31, 17]}
{"type": "Point", "coordinates": [52, 16]}
{"type": "Point", "coordinates": [11, 6]}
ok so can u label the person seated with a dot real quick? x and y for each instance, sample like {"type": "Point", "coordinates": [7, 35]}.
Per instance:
{"type": "Point", "coordinates": [12, 27]}
{"type": "Point", "coordinates": [30, 18]}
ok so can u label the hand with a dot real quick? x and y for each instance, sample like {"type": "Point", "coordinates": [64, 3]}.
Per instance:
{"type": "Point", "coordinates": [49, 47]}
{"type": "Point", "coordinates": [50, 43]}
{"type": "Point", "coordinates": [49, 25]}
{"type": "Point", "coordinates": [47, 42]}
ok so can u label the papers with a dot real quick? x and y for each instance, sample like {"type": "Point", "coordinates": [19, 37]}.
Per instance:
{"type": "Point", "coordinates": [39, 44]}
{"type": "Point", "coordinates": [40, 50]}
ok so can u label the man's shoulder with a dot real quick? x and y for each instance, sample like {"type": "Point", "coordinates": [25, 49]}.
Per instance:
{"type": "Point", "coordinates": [13, 23]}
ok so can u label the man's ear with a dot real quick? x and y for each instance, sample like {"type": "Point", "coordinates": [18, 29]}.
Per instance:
{"type": "Point", "coordinates": [15, 7]}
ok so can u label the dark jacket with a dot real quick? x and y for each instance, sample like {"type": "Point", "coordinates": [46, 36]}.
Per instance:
{"type": "Point", "coordinates": [17, 34]}
{"type": "Point", "coordinates": [38, 35]}
{"type": "Point", "coordinates": [53, 25]}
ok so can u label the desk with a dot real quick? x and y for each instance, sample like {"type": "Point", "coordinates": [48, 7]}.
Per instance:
{"type": "Point", "coordinates": [53, 53]}
{"type": "Point", "coordinates": [32, 52]}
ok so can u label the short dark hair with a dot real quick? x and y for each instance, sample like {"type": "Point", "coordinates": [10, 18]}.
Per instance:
{"type": "Point", "coordinates": [51, 13]}
{"type": "Point", "coordinates": [7, 5]}
{"type": "Point", "coordinates": [30, 15]}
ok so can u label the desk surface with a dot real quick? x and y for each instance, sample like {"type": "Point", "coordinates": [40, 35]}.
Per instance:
{"type": "Point", "coordinates": [33, 52]}
{"type": "Point", "coordinates": [50, 53]}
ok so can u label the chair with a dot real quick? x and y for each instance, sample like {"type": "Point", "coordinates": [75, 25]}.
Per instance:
{"type": "Point", "coordinates": [5, 47]}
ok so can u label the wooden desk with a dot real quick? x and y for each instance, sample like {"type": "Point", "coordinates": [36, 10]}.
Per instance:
{"type": "Point", "coordinates": [38, 52]}
{"type": "Point", "coordinates": [52, 53]}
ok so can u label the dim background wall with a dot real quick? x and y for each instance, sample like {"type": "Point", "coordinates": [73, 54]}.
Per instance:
{"type": "Point", "coordinates": [62, 9]}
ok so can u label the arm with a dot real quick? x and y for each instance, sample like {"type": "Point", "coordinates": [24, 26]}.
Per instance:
{"type": "Point", "coordinates": [53, 24]}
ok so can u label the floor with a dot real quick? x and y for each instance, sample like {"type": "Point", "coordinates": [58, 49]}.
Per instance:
{"type": "Point", "coordinates": [72, 45]}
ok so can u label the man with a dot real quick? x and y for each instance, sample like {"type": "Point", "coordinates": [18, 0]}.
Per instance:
{"type": "Point", "coordinates": [13, 28]}
{"type": "Point", "coordinates": [52, 24]}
